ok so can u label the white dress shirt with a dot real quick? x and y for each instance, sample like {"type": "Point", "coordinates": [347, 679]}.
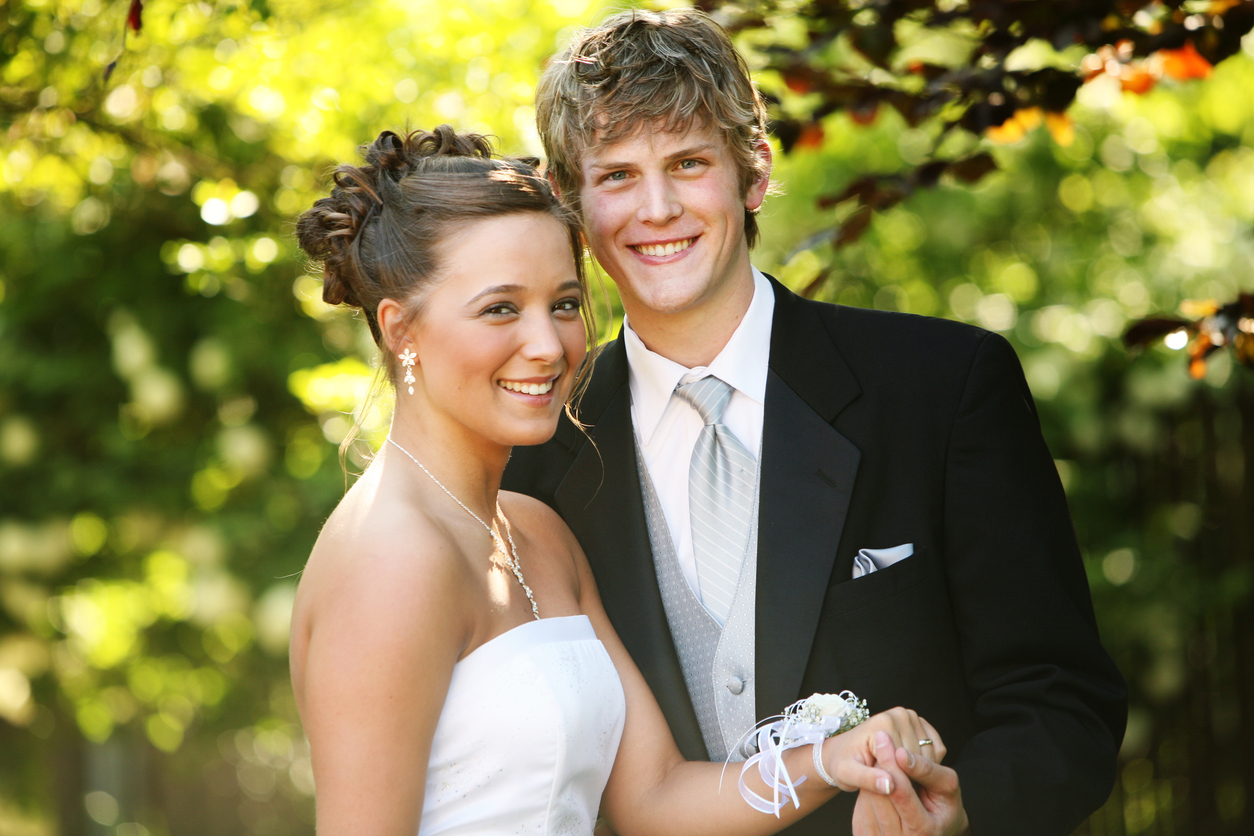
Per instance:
{"type": "Point", "coordinates": [667, 428]}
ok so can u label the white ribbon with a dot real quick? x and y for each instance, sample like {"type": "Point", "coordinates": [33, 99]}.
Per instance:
{"type": "Point", "coordinates": [802, 723]}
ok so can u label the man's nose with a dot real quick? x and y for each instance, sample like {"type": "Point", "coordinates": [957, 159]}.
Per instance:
{"type": "Point", "coordinates": [659, 203]}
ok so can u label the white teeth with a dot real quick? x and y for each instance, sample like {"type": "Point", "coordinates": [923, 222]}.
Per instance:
{"type": "Point", "coordinates": [662, 250]}
{"type": "Point", "coordinates": [527, 388]}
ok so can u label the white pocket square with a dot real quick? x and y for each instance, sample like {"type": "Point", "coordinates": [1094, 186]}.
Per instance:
{"type": "Point", "coordinates": [872, 560]}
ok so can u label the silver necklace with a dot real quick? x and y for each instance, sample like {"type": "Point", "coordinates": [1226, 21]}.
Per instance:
{"type": "Point", "coordinates": [511, 555]}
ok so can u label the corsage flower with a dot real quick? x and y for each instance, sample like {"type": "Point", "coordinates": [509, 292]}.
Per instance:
{"type": "Point", "coordinates": [812, 720]}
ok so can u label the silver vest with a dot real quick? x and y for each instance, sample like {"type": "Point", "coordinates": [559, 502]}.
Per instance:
{"type": "Point", "coordinates": [717, 661]}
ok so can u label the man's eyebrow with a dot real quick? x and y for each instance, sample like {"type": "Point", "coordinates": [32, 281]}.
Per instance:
{"type": "Point", "coordinates": [602, 165]}
{"type": "Point", "coordinates": [691, 151]}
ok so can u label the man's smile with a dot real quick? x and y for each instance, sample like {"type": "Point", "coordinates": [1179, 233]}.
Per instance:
{"type": "Point", "coordinates": [663, 250]}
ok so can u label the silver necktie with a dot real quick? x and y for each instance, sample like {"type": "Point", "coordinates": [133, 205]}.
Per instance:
{"type": "Point", "coordinates": [720, 496]}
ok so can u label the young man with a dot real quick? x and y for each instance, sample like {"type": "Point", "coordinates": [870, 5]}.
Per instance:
{"type": "Point", "coordinates": [863, 502]}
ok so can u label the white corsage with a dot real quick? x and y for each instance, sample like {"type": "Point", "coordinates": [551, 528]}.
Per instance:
{"type": "Point", "coordinates": [808, 721]}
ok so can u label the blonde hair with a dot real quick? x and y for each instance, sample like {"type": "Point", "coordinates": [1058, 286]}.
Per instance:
{"type": "Point", "coordinates": [662, 70]}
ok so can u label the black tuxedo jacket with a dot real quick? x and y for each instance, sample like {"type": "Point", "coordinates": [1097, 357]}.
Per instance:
{"type": "Point", "coordinates": [882, 429]}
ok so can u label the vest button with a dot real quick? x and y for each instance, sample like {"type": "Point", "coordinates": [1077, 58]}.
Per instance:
{"type": "Point", "coordinates": [735, 684]}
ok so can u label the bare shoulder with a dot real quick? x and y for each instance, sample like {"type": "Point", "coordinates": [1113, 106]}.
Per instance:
{"type": "Point", "coordinates": [375, 547]}
{"type": "Point", "coordinates": [538, 521]}
{"type": "Point", "coordinates": [531, 509]}
{"type": "Point", "coordinates": [546, 542]}
{"type": "Point", "coordinates": [383, 612]}
{"type": "Point", "coordinates": [383, 573]}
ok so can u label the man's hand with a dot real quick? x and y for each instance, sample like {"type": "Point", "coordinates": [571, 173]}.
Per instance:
{"type": "Point", "coordinates": [925, 800]}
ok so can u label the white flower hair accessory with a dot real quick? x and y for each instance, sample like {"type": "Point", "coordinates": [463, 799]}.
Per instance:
{"type": "Point", "coordinates": [808, 721]}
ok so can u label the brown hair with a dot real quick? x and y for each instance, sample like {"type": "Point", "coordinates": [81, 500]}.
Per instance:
{"type": "Point", "coordinates": [378, 235]}
{"type": "Point", "coordinates": [664, 70]}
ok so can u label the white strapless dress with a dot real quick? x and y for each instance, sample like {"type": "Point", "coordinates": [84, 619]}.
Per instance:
{"type": "Point", "coordinates": [527, 735]}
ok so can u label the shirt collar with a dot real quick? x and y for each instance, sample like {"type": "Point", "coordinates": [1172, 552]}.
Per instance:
{"type": "Point", "coordinates": [743, 363]}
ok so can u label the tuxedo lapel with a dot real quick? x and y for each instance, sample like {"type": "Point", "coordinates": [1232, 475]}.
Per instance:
{"type": "Point", "coordinates": [600, 500]}
{"type": "Point", "coordinates": [808, 471]}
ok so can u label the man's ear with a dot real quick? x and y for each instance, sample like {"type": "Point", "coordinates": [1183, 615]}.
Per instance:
{"type": "Point", "coordinates": [757, 189]}
{"type": "Point", "coordinates": [548, 175]}
{"type": "Point", "coordinates": [392, 325]}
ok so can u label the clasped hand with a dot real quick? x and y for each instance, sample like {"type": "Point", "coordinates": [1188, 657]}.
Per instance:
{"type": "Point", "coordinates": [894, 760]}
{"type": "Point", "coordinates": [850, 758]}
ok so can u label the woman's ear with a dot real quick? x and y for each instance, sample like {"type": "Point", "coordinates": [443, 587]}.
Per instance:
{"type": "Point", "coordinates": [392, 325]}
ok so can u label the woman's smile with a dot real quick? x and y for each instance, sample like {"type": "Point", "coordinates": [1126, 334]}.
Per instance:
{"type": "Point", "coordinates": [523, 388]}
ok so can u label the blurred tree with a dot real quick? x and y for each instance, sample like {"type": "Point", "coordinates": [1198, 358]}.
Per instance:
{"type": "Point", "coordinates": [173, 388]}
{"type": "Point", "coordinates": [962, 70]}
{"type": "Point", "coordinates": [1059, 248]}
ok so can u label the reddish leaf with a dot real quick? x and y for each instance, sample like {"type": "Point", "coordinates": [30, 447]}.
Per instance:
{"type": "Point", "coordinates": [972, 169]}
{"type": "Point", "coordinates": [811, 137]}
{"type": "Point", "coordinates": [1229, 325]}
{"type": "Point", "coordinates": [864, 113]}
{"type": "Point", "coordinates": [981, 115]}
{"type": "Point", "coordinates": [810, 289]}
{"type": "Point", "coordinates": [929, 174]}
{"type": "Point", "coordinates": [1061, 128]}
{"type": "Point", "coordinates": [134, 17]}
{"type": "Point", "coordinates": [1184, 63]}
{"type": "Point", "coordinates": [930, 72]}
{"type": "Point", "coordinates": [797, 82]}
{"type": "Point", "coordinates": [853, 227]}
{"type": "Point", "coordinates": [1199, 350]}
{"type": "Point", "coordinates": [1145, 331]}
{"type": "Point", "coordinates": [864, 188]}
{"type": "Point", "coordinates": [1136, 80]}
{"type": "Point", "coordinates": [913, 109]}
{"type": "Point", "coordinates": [1016, 127]}
{"type": "Point", "coordinates": [1243, 346]}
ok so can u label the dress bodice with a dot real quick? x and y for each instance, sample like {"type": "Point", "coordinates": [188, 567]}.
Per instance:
{"type": "Point", "coordinates": [527, 735]}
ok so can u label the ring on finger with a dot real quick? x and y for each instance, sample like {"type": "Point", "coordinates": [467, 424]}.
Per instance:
{"type": "Point", "coordinates": [927, 741]}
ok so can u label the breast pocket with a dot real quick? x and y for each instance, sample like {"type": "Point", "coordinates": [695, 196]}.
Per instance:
{"type": "Point", "coordinates": [890, 637]}
{"type": "Point", "coordinates": [869, 590]}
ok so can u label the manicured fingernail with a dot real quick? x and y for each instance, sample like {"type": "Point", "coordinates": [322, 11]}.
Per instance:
{"type": "Point", "coordinates": [882, 739]}
{"type": "Point", "coordinates": [910, 758]}
{"type": "Point", "coordinates": [884, 785]}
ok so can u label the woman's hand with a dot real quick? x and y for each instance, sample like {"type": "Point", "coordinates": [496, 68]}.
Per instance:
{"type": "Point", "coordinates": [848, 757]}
{"type": "Point", "coordinates": [926, 799]}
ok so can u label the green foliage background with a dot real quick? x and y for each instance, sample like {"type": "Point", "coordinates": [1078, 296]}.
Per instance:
{"type": "Point", "coordinates": [172, 389]}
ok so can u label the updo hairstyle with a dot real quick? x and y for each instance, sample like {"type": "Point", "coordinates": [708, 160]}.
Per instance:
{"type": "Point", "coordinates": [379, 234]}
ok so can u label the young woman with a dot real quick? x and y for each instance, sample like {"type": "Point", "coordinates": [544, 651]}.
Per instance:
{"type": "Point", "coordinates": [453, 666]}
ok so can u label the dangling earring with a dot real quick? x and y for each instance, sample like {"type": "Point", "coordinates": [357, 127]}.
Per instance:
{"type": "Point", "coordinates": [407, 360]}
